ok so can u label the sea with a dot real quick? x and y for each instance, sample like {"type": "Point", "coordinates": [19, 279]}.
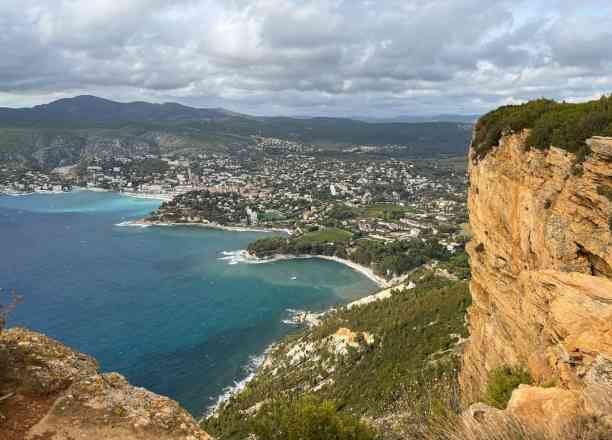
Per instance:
{"type": "Point", "coordinates": [174, 309]}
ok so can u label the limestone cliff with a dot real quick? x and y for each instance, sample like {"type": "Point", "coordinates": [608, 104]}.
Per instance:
{"type": "Point", "coordinates": [54, 393]}
{"type": "Point", "coordinates": [541, 260]}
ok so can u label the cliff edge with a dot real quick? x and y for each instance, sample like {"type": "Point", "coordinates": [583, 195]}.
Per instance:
{"type": "Point", "coordinates": [51, 392]}
{"type": "Point", "coordinates": [541, 261]}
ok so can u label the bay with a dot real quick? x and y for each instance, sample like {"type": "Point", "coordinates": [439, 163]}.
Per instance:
{"type": "Point", "coordinates": [165, 306]}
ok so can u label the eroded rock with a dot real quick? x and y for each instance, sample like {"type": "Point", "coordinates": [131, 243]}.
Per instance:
{"type": "Point", "coordinates": [82, 403]}
{"type": "Point", "coordinates": [541, 256]}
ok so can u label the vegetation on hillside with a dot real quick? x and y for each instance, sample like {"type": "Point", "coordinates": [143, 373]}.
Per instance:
{"type": "Point", "coordinates": [404, 362]}
{"type": "Point", "coordinates": [387, 259]}
{"type": "Point", "coordinates": [60, 133]}
{"type": "Point", "coordinates": [308, 418]}
{"type": "Point", "coordinates": [563, 125]}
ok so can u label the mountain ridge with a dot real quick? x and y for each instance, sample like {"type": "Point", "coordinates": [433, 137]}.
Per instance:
{"type": "Point", "coordinates": [90, 109]}
{"type": "Point", "coordinates": [68, 130]}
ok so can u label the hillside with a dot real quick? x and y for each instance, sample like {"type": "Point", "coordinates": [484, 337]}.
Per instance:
{"type": "Point", "coordinates": [539, 351]}
{"type": "Point", "coordinates": [522, 349]}
{"type": "Point", "coordinates": [64, 131]}
{"type": "Point", "coordinates": [388, 361]}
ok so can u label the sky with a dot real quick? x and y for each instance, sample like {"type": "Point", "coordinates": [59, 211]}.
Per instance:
{"type": "Point", "coordinates": [377, 58]}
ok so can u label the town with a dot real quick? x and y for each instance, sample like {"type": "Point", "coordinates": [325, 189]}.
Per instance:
{"type": "Point", "coordinates": [284, 185]}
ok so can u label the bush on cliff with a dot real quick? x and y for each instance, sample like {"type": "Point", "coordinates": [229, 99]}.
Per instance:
{"type": "Point", "coordinates": [562, 125]}
{"type": "Point", "coordinates": [308, 418]}
{"type": "Point", "coordinates": [7, 308]}
{"type": "Point", "coordinates": [502, 382]}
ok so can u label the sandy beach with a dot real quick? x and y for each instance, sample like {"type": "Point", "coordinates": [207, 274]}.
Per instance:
{"type": "Point", "coordinates": [359, 268]}
{"type": "Point", "coordinates": [380, 281]}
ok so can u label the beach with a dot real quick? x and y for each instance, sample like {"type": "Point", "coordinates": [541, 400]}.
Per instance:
{"type": "Point", "coordinates": [302, 317]}
{"type": "Point", "coordinates": [359, 268]}
{"type": "Point", "coordinates": [244, 257]}
{"type": "Point", "coordinates": [223, 316]}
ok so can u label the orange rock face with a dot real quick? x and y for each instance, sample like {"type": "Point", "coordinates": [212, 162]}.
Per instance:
{"type": "Point", "coordinates": [541, 259]}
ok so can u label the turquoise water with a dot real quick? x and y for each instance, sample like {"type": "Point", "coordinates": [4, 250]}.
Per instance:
{"type": "Point", "coordinates": [162, 305]}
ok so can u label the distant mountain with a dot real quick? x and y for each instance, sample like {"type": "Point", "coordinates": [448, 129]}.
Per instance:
{"type": "Point", "coordinates": [92, 111]}
{"type": "Point", "coordinates": [467, 119]}
{"type": "Point", "coordinates": [64, 131]}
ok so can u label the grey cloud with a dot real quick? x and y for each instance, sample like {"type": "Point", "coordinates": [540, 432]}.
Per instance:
{"type": "Point", "coordinates": [320, 56]}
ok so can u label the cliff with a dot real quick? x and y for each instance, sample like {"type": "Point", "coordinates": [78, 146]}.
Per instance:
{"type": "Point", "coordinates": [54, 393]}
{"type": "Point", "coordinates": [541, 261]}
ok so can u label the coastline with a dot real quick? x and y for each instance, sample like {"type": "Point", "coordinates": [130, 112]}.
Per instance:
{"type": "Point", "coordinates": [151, 196]}
{"type": "Point", "coordinates": [358, 268]}
{"type": "Point", "coordinates": [366, 271]}
{"type": "Point", "coordinates": [145, 223]}
{"type": "Point", "coordinates": [246, 257]}
{"type": "Point", "coordinates": [255, 360]}
{"type": "Point", "coordinates": [301, 318]}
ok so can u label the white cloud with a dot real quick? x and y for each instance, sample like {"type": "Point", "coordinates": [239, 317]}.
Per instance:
{"type": "Point", "coordinates": [320, 56]}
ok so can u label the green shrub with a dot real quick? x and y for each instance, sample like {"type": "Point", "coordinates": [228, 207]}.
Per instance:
{"type": "Point", "coordinates": [308, 419]}
{"type": "Point", "coordinates": [502, 381]}
{"type": "Point", "coordinates": [606, 191]}
{"type": "Point", "coordinates": [562, 125]}
{"type": "Point", "coordinates": [582, 154]}
{"type": "Point", "coordinates": [577, 171]}
{"type": "Point", "coordinates": [268, 246]}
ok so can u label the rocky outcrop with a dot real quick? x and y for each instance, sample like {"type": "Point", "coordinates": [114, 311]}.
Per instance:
{"type": "Point", "coordinates": [54, 393]}
{"type": "Point", "coordinates": [541, 260]}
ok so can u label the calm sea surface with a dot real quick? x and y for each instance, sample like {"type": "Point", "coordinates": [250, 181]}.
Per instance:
{"type": "Point", "coordinates": [162, 305]}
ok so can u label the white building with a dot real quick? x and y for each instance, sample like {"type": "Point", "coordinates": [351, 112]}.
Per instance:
{"type": "Point", "coordinates": [252, 216]}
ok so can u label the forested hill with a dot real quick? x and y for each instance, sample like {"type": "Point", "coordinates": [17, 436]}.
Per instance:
{"type": "Point", "coordinates": [61, 132]}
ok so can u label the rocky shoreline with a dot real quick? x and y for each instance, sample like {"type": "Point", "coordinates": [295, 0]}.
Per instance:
{"type": "Point", "coordinates": [301, 318]}
{"type": "Point", "coordinates": [145, 222]}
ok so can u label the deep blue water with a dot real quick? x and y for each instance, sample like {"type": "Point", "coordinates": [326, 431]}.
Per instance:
{"type": "Point", "coordinates": [157, 304]}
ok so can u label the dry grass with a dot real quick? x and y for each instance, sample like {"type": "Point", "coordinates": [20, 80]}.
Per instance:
{"type": "Point", "coordinates": [494, 424]}
{"type": "Point", "coordinates": [581, 428]}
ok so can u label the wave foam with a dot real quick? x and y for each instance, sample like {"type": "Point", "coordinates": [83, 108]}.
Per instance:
{"type": "Point", "coordinates": [132, 224]}
{"type": "Point", "coordinates": [250, 369]}
{"type": "Point", "coordinates": [240, 256]}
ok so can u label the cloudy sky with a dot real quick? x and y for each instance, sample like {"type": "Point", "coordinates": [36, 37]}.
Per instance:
{"type": "Point", "coordinates": [300, 57]}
